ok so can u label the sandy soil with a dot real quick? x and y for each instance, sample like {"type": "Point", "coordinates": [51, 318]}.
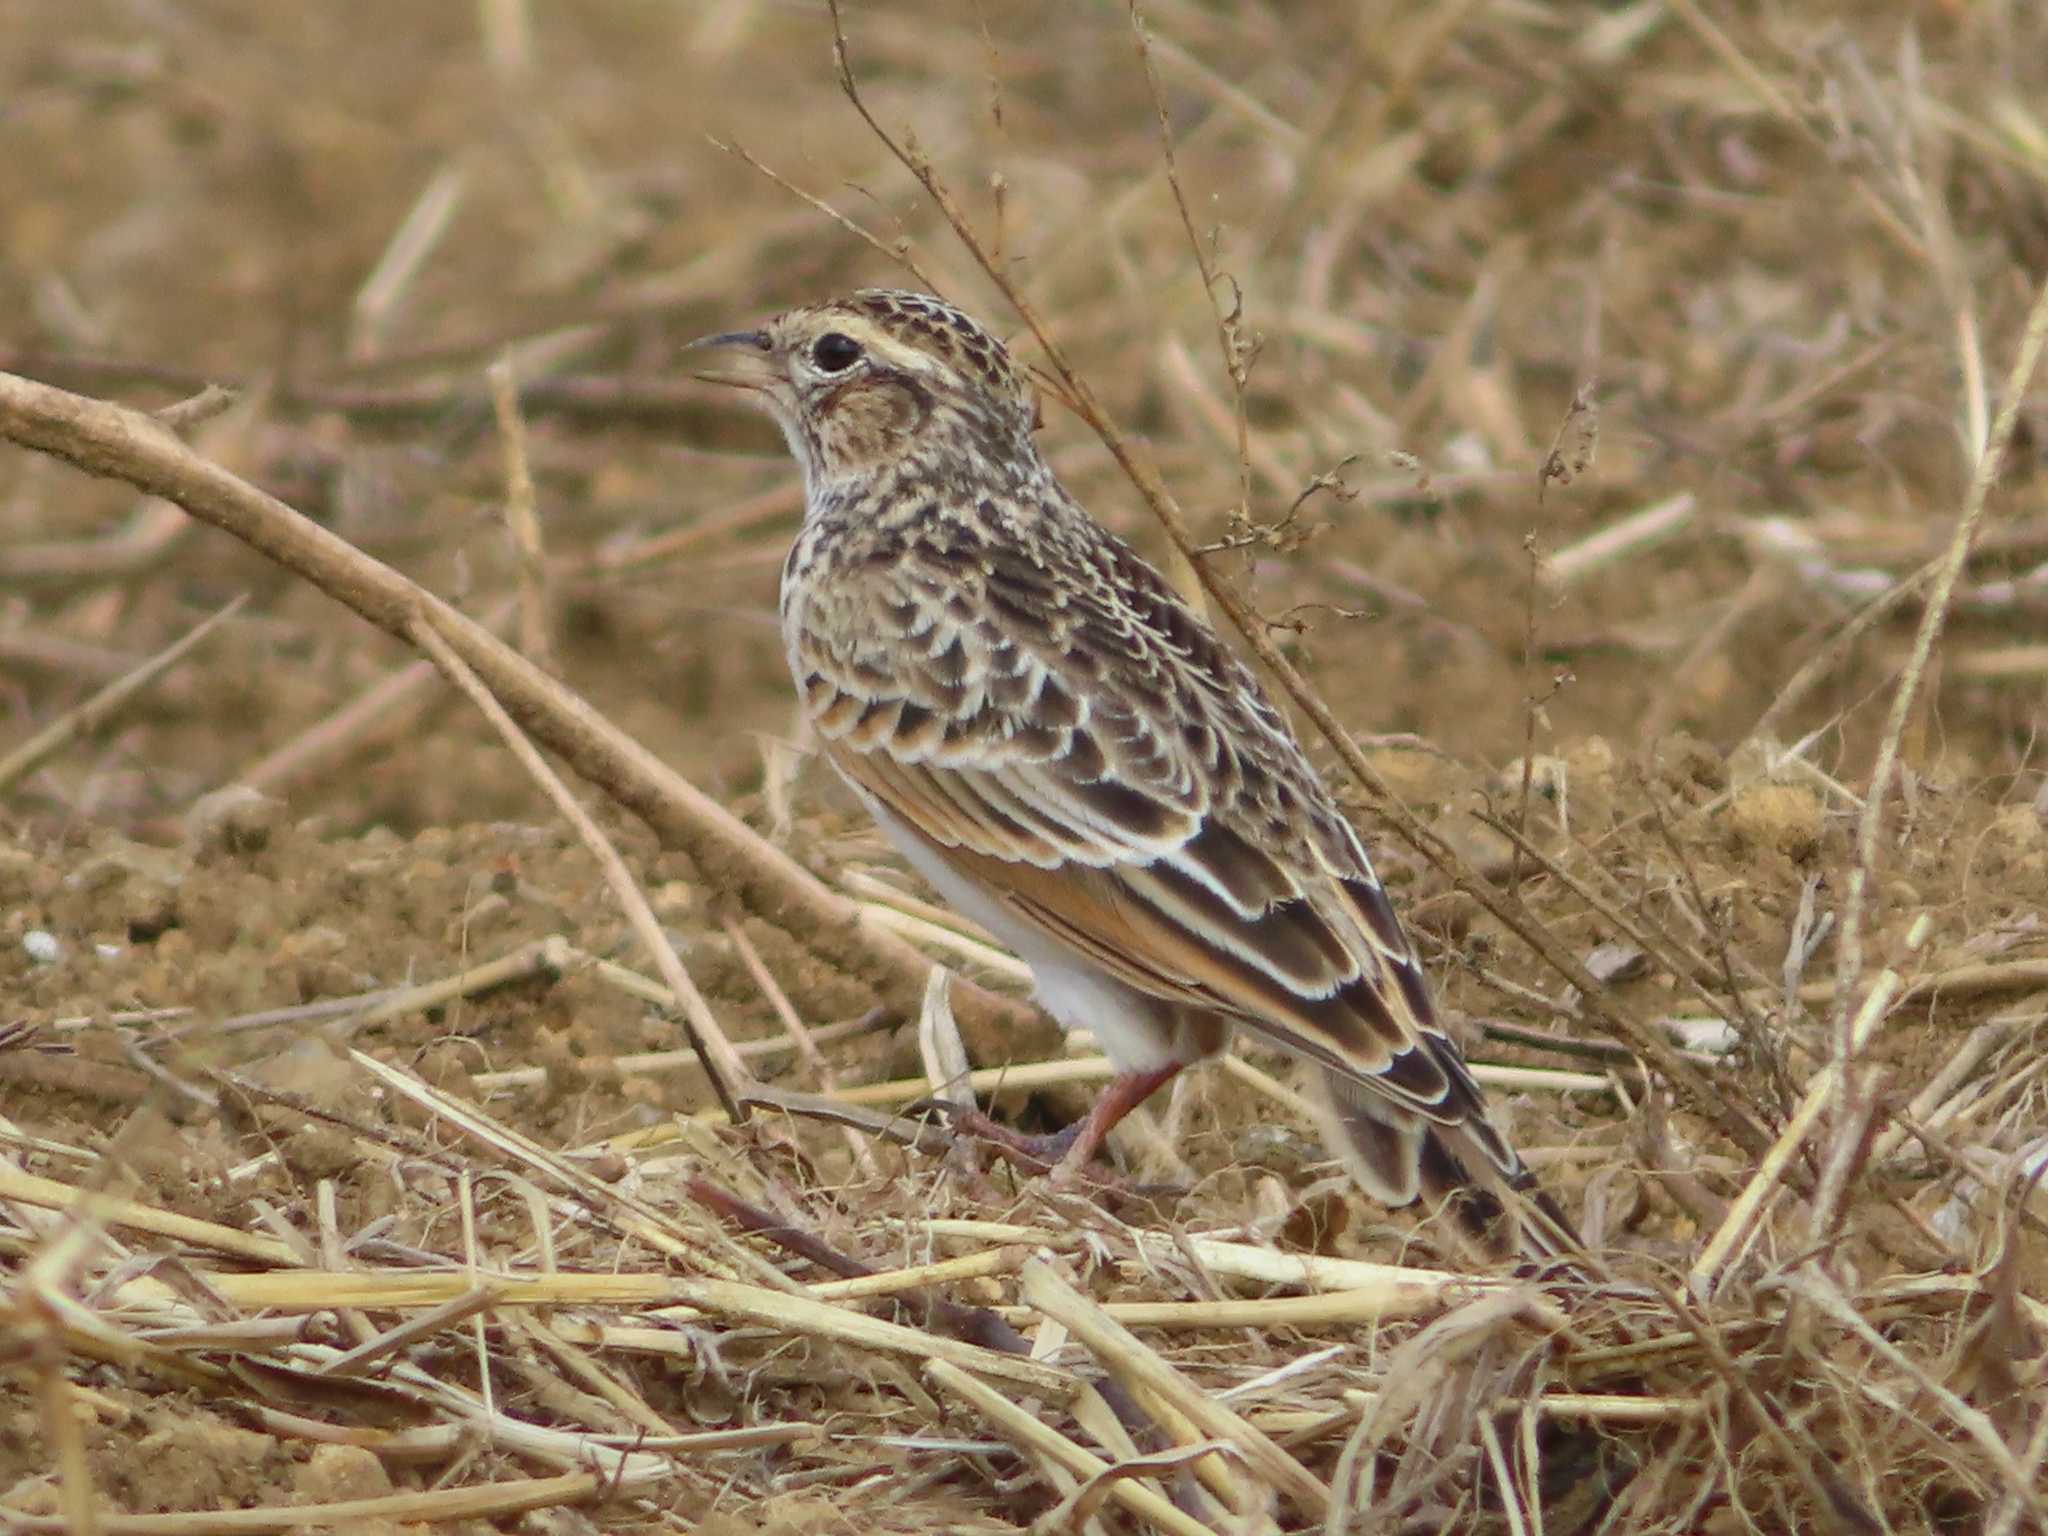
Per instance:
{"type": "Point", "coordinates": [1439, 234]}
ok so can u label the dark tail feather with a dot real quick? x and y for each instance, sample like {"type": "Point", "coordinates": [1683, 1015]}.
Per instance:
{"type": "Point", "coordinates": [1397, 1157]}
{"type": "Point", "coordinates": [1518, 1218]}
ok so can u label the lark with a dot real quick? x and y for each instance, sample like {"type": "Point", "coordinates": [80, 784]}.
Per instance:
{"type": "Point", "coordinates": [1074, 760]}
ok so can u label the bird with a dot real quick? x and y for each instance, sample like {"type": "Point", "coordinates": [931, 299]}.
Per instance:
{"type": "Point", "coordinates": [1066, 751]}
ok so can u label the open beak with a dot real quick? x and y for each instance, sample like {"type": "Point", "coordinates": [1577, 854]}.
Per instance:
{"type": "Point", "coordinates": [744, 359]}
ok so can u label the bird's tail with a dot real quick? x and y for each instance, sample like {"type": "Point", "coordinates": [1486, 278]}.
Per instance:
{"type": "Point", "coordinates": [1399, 1156]}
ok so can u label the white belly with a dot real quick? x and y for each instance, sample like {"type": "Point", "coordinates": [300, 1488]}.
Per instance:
{"type": "Point", "coordinates": [1136, 1032]}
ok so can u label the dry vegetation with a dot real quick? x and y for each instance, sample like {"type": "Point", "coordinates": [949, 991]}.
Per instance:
{"type": "Point", "coordinates": [352, 1150]}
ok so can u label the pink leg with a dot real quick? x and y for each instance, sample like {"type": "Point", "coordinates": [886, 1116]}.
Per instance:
{"type": "Point", "coordinates": [1125, 1093]}
{"type": "Point", "coordinates": [1067, 1152]}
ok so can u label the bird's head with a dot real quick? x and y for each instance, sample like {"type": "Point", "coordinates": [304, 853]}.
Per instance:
{"type": "Point", "coordinates": [880, 377]}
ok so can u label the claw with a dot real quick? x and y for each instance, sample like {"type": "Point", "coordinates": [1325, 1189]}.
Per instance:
{"type": "Point", "coordinates": [1034, 1154]}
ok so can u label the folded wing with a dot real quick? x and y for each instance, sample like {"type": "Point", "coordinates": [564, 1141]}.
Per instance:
{"type": "Point", "coordinates": [1103, 764]}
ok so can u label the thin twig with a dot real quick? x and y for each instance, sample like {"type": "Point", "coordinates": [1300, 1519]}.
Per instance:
{"type": "Point", "coordinates": [106, 439]}
{"type": "Point", "coordinates": [1237, 353]}
{"type": "Point", "coordinates": [522, 517]}
{"type": "Point", "coordinates": [728, 1073]}
{"type": "Point", "coordinates": [108, 703]}
{"type": "Point", "coordinates": [1145, 478]}
{"type": "Point", "coordinates": [1849, 962]}
{"type": "Point", "coordinates": [798, 1032]}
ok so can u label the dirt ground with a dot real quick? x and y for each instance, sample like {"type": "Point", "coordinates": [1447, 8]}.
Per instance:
{"type": "Point", "coordinates": [1791, 254]}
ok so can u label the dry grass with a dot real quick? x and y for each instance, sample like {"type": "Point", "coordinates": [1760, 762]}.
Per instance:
{"type": "Point", "coordinates": [1658, 379]}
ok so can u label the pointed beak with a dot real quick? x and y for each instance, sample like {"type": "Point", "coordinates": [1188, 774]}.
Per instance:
{"type": "Point", "coordinates": [744, 359]}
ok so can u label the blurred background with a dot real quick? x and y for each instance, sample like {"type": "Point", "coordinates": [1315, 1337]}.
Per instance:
{"type": "Point", "coordinates": [1791, 245]}
{"type": "Point", "coordinates": [1783, 251]}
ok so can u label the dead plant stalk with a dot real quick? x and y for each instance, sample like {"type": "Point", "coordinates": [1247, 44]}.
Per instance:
{"type": "Point", "coordinates": [1713, 1098]}
{"type": "Point", "coordinates": [1849, 965]}
{"type": "Point", "coordinates": [103, 438]}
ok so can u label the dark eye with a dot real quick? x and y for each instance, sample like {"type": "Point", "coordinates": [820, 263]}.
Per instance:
{"type": "Point", "coordinates": [834, 353]}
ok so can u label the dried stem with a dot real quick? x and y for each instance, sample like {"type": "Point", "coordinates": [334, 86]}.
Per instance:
{"type": "Point", "coordinates": [1644, 1038]}
{"type": "Point", "coordinates": [107, 704]}
{"type": "Point", "coordinates": [1849, 962]}
{"type": "Point", "coordinates": [722, 1064]}
{"type": "Point", "coordinates": [106, 439]}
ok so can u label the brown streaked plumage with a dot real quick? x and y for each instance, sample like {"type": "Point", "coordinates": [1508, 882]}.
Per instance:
{"type": "Point", "coordinates": [1071, 756]}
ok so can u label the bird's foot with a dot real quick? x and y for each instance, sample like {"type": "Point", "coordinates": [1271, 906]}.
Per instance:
{"type": "Point", "coordinates": [1064, 1160]}
{"type": "Point", "coordinates": [1034, 1154]}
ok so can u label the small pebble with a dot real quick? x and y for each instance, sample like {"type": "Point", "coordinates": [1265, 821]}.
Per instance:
{"type": "Point", "coordinates": [1716, 1035]}
{"type": "Point", "coordinates": [1278, 1149]}
{"type": "Point", "coordinates": [43, 948]}
{"type": "Point", "coordinates": [335, 1473]}
{"type": "Point", "coordinates": [236, 819]}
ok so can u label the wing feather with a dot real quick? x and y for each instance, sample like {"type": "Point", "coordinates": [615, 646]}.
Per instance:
{"type": "Point", "coordinates": [1175, 836]}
